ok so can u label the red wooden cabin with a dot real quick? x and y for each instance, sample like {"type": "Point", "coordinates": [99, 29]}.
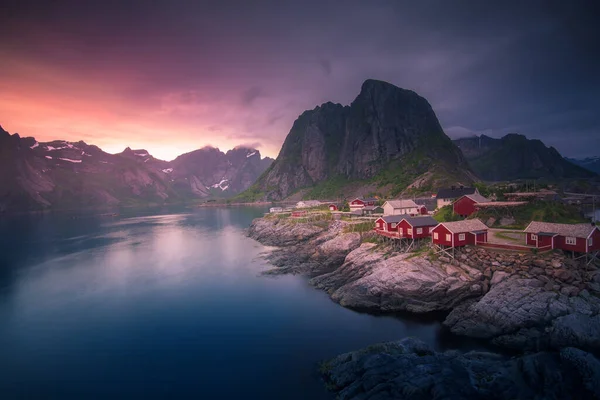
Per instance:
{"type": "Point", "coordinates": [389, 223]}
{"type": "Point", "coordinates": [334, 207]}
{"type": "Point", "coordinates": [465, 205]}
{"type": "Point", "coordinates": [297, 214]}
{"type": "Point", "coordinates": [360, 203]}
{"type": "Point", "coordinates": [578, 238]}
{"type": "Point", "coordinates": [416, 227]}
{"type": "Point", "coordinates": [459, 233]}
{"type": "Point", "coordinates": [423, 210]}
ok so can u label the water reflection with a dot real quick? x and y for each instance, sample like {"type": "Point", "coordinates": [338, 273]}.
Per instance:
{"type": "Point", "coordinates": [166, 305]}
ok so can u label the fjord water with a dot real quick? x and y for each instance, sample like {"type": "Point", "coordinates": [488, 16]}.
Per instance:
{"type": "Point", "coordinates": [165, 305]}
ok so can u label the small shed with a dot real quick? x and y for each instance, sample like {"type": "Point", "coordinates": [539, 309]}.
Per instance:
{"type": "Point", "coordinates": [275, 209]}
{"type": "Point", "coordinates": [335, 207]}
{"type": "Point", "coordinates": [465, 205]}
{"type": "Point", "coordinates": [459, 233]}
{"type": "Point", "coordinates": [298, 214]}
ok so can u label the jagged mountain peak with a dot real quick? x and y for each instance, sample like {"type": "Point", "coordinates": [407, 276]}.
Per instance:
{"type": "Point", "coordinates": [380, 131]}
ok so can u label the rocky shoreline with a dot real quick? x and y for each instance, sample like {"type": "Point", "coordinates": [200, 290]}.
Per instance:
{"type": "Point", "coordinates": [525, 302]}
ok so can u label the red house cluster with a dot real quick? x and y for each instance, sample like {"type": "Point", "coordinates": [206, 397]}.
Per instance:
{"type": "Point", "coordinates": [578, 238]}
{"type": "Point", "coordinates": [406, 227]}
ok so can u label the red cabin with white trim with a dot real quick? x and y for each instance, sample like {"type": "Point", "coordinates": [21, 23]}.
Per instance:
{"type": "Point", "coordinates": [416, 227]}
{"type": "Point", "coordinates": [359, 203]}
{"type": "Point", "coordinates": [465, 205]}
{"type": "Point", "coordinates": [459, 233]}
{"type": "Point", "coordinates": [579, 238]}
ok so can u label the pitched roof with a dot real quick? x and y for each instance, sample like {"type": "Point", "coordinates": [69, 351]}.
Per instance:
{"type": "Point", "coordinates": [477, 198]}
{"type": "Point", "coordinates": [392, 218]}
{"type": "Point", "coordinates": [370, 208]}
{"type": "Point", "coordinates": [573, 230]}
{"type": "Point", "coordinates": [468, 225]}
{"type": "Point", "coordinates": [421, 221]}
{"type": "Point", "coordinates": [401, 203]}
{"type": "Point", "coordinates": [449, 193]}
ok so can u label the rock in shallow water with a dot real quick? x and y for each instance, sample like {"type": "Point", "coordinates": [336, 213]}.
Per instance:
{"type": "Point", "coordinates": [409, 369]}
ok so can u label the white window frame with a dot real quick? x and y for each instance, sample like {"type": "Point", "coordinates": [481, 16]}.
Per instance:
{"type": "Point", "coordinates": [394, 225]}
{"type": "Point", "coordinates": [461, 236]}
{"type": "Point", "coordinates": [419, 231]}
{"type": "Point", "coordinates": [409, 231]}
{"type": "Point", "coordinates": [435, 235]}
{"type": "Point", "coordinates": [534, 237]}
{"type": "Point", "coordinates": [448, 237]}
{"type": "Point", "coordinates": [590, 242]}
{"type": "Point", "coordinates": [570, 240]}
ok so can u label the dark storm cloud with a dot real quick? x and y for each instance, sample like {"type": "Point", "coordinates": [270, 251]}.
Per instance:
{"type": "Point", "coordinates": [492, 67]}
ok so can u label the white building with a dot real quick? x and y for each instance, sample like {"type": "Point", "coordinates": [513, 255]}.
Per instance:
{"type": "Point", "coordinates": [399, 207]}
{"type": "Point", "coordinates": [275, 209]}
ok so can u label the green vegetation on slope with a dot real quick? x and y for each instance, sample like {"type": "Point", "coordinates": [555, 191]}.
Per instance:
{"type": "Point", "coordinates": [545, 211]}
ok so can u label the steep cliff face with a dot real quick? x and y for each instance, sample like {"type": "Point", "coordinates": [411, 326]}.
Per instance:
{"type": "Point", "coordinates": [516, 157]}
{"type": "Point", "coordinates": [61, 174]}
{"type": "Point", "coordinates": [386, 133]}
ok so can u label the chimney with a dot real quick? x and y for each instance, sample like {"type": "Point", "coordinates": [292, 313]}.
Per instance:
{"type": "Point", "coordinates": [453, 187]}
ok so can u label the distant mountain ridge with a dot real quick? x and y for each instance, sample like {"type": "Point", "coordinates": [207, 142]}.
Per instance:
{"type": "Point", "coordinates": [514, 156]}
{"type": "Point", "coordinates": [387, 140]}
{"type": "Point", "coordinates": [589, 163]}
{"type": "Point", "coordinates": [61, 174]}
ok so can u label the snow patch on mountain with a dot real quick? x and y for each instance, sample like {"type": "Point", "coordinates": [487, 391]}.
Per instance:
{"type": "Point", "coordinates": [69, 160]}
{"type": "Point", "coordinates": [36, 144]}
{"type": "Point", "coordinates": [167, 170]}
{"type": "Point", "coordinates": [251, 154]}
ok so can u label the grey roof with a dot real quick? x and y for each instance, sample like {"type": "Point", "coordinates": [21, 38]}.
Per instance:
{"type": "Point", "coordinates": [421, 221]}
{"type": "Point", "coordinates": [393, 218]}
{"type": "Point", "coordinates": [477, 198]}
{"type": "Point", "coordinates": [401, 203]}
{"type": "Point", "coordinates": [468, 225]}
{"type": "Point", "coordinates": [572, 230]}
{"type": "Point", "coordinates": [369, 208]}
{"type": "Point", "coordinates": [449, 193]}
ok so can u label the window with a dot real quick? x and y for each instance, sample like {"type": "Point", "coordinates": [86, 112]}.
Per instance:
{"type": "Point", "coordinates": [590, 242]}
{"type": "Point", "coordinates": [570, 240]}
{"type": "Point", "coordinates": [419, 231]}
{"type": "Point", "coordinates": [533, 237]}
{"type": "Point", "coordinates": [461, 236]}
{"type": "Point", "coordinates": [394, 225]}
{"type": "Point", "coordinates": [435, 235]}
{"type": "Point", "coordinates": [448, 237]}
{"type": "Point", "coordinates": [409, 231]}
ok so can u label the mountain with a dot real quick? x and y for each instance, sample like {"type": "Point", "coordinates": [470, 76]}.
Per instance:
{"type": "Point", "coordinates": [61, 174]}
{"type": "Point", "coordinates": [516, 157]}
{"type": "Point", "coordinates": [589, 163]}
{"type": "Point", "coordinates": [387, 140]}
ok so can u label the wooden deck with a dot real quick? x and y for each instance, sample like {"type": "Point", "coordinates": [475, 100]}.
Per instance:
{"type": "Point", "coordinates": [387, 234]}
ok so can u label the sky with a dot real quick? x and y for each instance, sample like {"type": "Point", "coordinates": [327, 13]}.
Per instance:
{"type": "Point", "coordinates": [174, 76]}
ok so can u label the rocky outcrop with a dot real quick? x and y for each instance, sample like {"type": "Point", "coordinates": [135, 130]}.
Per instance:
{"type": "Point", "coordinates": [409, 369]}
{"type": "Point", "coordinates": [369, 281]}
{"type": "Point", "coordinates": [523, 314]}
{"type": "Point", "coordinates": [385, 129]}
{"type": "Point", "coordinates": [61, 174]}
{"type": "Point", "coordinates": [516, 157]}
{"type": "Point", "coordinates": [308, 249]}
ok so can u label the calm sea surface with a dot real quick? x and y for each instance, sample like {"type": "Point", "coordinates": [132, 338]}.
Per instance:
{"type": "Point", "coordinates": [170, 304]}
